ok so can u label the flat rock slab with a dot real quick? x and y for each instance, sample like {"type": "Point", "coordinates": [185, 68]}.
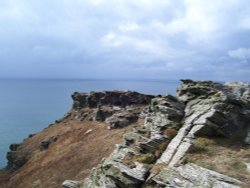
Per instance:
{"type": "Point", "coordinates": [191, 175]}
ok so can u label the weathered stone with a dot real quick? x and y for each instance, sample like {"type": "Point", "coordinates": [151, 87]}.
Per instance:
{"type": "Point", "coordinates": [247, 139]}
{"type": "Point", "coordinates": [201, 108]}
{"type": "Point", "coordinates": [248, 166]}
{"type": "Point", "coordinates": [112, 98]}
{"type": "Point", "coordinates": [71, 184]}
{"type": "Point", "coordinates": [88, 131]}
{"type": "Point", "coordinates": [46, 142]}
{"type": "Point", "coordinates": [121, 120]}
{"type": "Point", "coordinates": [191, 175]}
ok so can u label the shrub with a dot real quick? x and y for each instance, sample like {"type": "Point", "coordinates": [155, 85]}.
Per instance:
{"type": "Point", "coordinates": [201, 144]}
{"type": "Point", "coordinates": [161, 148]}
{"type": "Point", "coordinates": [157, 168]}
{"type": "Point", "coordinates": [239, 136]}
{"type": "Point", "coordinates": [146, 158]}
{"type": "Point", "coordinates": [170, 133]}
{"type": "Point", "coordinates": [37, 184]}
{"type": "Point", "coordinates": [238, 165]}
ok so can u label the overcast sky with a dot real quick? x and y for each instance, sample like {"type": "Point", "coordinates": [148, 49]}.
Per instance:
{"type": "Point", "coordinates": [161, 39]}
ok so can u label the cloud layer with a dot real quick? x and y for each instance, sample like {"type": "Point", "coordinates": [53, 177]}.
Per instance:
{"type": "Point", "coordinates": [125, 39]}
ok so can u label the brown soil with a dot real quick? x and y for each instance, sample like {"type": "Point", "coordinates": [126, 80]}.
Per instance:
{"type": "Point", "coordinates": [72, 156]}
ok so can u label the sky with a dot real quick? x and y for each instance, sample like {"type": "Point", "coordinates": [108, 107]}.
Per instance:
{"type": "Point", "coordinates": [125, 39]}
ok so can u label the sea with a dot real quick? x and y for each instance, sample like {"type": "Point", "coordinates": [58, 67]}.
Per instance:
{"type": "Point", "coordinates": [29, 105]}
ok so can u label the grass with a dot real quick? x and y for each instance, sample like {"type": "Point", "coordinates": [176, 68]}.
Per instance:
{"type": "Point", "coordinates": [146, 158]}
{"type": "Point", "coordinates": [37, 184]}
{"type": "Point", "coordinates": [202, 144]}
{"type": "Point", "coordinates": [157, 168]}
{"type": "Point", "coordinates": [226, 156]}
{"type": "Point", "coordinates": [74, 154]}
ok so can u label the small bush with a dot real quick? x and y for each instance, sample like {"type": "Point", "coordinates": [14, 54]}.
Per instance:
{"type": "Point", "coordinates": [129, 160]}
{"type": "Point", "coordinates": [185, 160]}
{"type": "Point", "coordinates": [201, 144]}
{"type": "Point", "coordinates": [210, 166]}
{"type": "Point", "coordinates": [239, 136]}
{"type": "Point", "coordinates": [170, 133]}
{"type": "Point", "coordinates": [161, 148]}
{"type": "Point", "coordinates": [238, 165]}
{"type": "Point", "coordinates": [217, 94]}
{"type": "Point", "coordinates": [146, 158]}
{"type": "Point", "coordinates": [37, 184]}
{"type": "Point", "coordinates": [157, 168]}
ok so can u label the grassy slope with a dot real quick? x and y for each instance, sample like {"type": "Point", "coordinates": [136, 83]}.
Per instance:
{"type": "Point", "coordinates": [72, 156]}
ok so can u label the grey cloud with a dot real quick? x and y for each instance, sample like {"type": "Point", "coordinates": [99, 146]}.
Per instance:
{"type": "Point", "coordinates": [129, 39]}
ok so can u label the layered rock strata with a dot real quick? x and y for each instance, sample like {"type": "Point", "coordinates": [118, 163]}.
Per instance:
{"type": "Point", "coordinates": [151, 155]}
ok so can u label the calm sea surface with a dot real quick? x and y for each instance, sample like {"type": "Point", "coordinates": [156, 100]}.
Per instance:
{"type": "Point", "coordinates": [27, 106]}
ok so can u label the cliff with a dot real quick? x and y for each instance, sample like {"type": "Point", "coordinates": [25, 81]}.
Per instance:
{"type": "Point", "coordinates": [75, 143]}
{"type": "Point", "coordinates": [199, 138]}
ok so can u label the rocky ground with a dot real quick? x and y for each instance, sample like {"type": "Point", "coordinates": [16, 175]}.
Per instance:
{"type": "Point", "coordinates": [199, 138]}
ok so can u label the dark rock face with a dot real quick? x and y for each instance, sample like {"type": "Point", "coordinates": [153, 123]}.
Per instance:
{"type": "Point", "coordinates": [117, 108]}
{"type": "Point", "coordinates": [14, 160]}
{"type": "Point", "coordinates": [112, 98]}
{"type": "Point", "coordinates": [13, 147]}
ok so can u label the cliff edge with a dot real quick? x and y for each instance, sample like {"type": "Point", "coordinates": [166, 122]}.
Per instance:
{"type": "Point", "coordinates": [198, 138]}
{"type": "Point", "coordinates": [75, 143]}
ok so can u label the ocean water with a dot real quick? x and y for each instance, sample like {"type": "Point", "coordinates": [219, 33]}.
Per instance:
{"type": "Point", "coordinates": [29, 105]}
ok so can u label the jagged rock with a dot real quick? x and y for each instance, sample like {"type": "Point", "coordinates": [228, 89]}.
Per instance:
{"type": "Point", "coordinates": [125, 176]}
{"type": "Point", "coordinates": [216, 114]}
{"type": "Point", "coordinates": [31, 135]}
{"type": "Point", "coordinates": [248, 166]}
{"type": "Point", "coordinates": [112, 98]}
{"type": "Point", "coordinates": [102, 114]}
{"type": "Point", "coordinates": [14, 147]}
{"type": "Point", "coordinates": [201, 108]}
{"type": "Point", "coordinates": [46, 142]}
{"type": "Point", "coordinates": [15, 161]}
{"type": "Point", "coordinates": [120, 120]}
{"type": "Point", "coordinates": [71, 184]}
{"type": "Point", "coordinates": [67, 115]}
{"type": "Point", "coordinates": [191, 175]}
{"type": "Point", "coordinates": [247, 139]}
{"type": "Point", "coordinates": [143, 141]}
{"type": "Point", "coordinates": [88, 131]}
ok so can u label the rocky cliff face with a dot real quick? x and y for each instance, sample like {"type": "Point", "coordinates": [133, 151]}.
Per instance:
{"type": "Point", "coordinates": [199, 138]}
{"type": "Point", "coordinates": [88, 132]}
{"type": "Point", "coordinates": [153, 155]}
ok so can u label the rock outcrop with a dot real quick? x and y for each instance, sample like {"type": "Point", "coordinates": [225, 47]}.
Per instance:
{"type": "Point", "coordinates": [117, 108]}
{"type": "Point", "coordinates": [107, 98]}
{"type": "Point", "coordinates": [15, 160]}
{"type": "Point", "coordinates": [152, 151]}
{"type": "Point", "coordinates": [191, 175]}
{"type": "Point", "coordinates": [151, 155]}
